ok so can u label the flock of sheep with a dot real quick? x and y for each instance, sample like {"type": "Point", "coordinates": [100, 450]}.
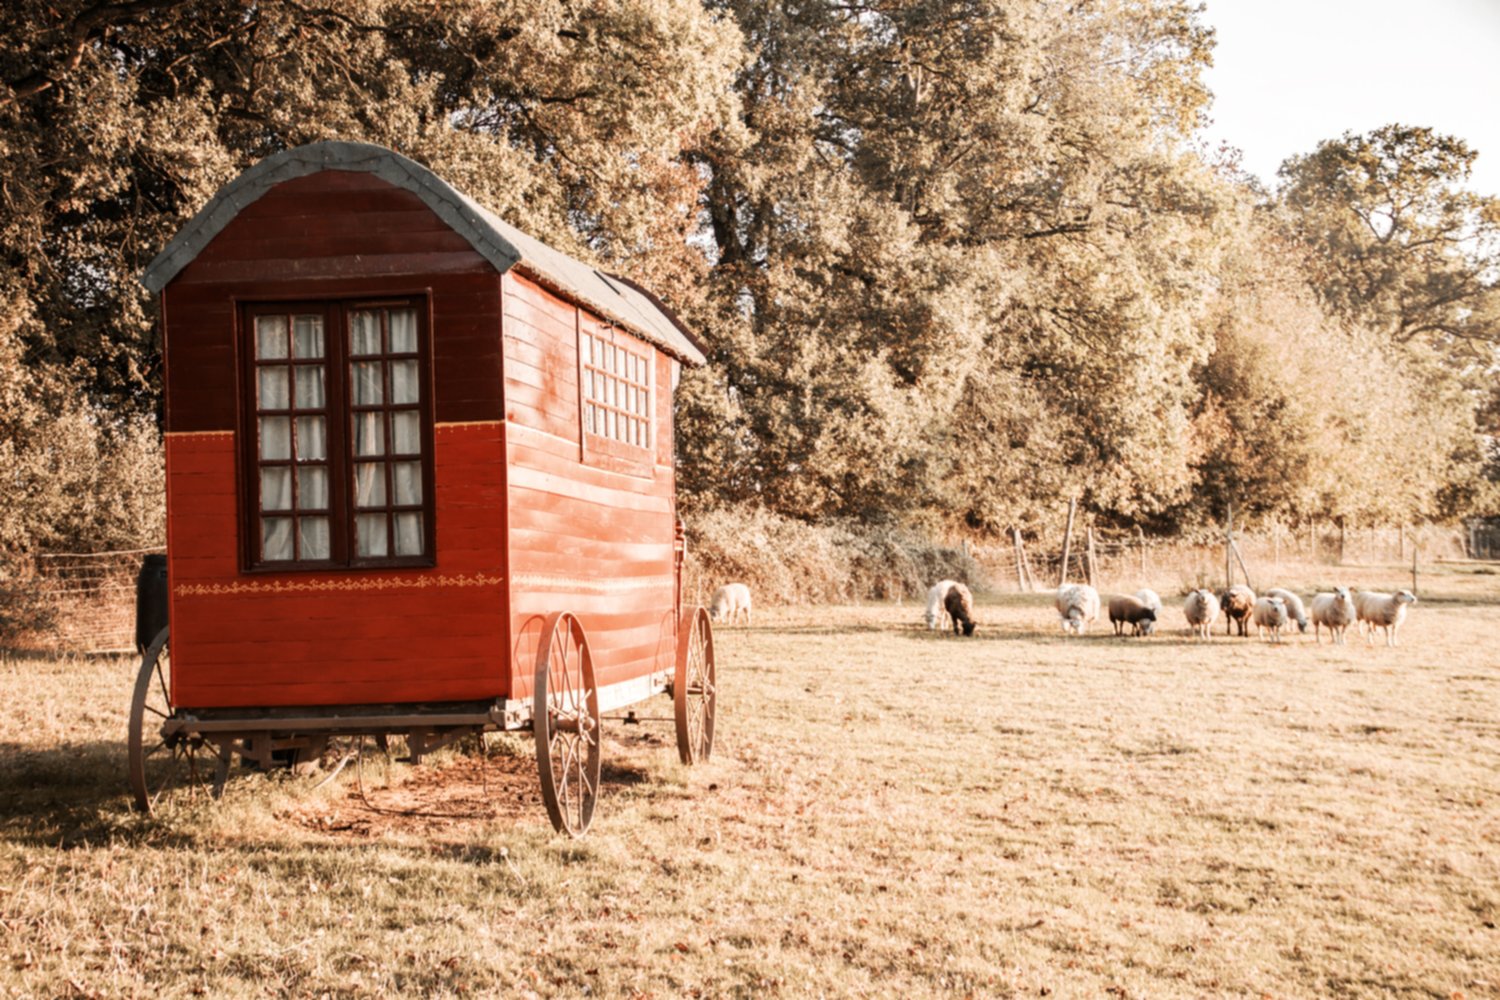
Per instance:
{"type": "Point", "coordinates": [1078, 604]}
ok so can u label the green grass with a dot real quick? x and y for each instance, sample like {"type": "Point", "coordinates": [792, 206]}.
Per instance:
{"type": "Point", "coordinates": [889, 812]}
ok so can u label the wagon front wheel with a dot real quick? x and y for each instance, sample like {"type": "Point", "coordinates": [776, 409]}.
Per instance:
{"type": "Point", "coordinates": [565, 721]}
{"type": "Point", "coordinates": [164, 758]}
{"type": "Point", "coordinates": [695, 687]}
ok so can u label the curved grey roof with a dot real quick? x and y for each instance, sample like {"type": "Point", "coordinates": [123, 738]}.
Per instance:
{"type": "Point", "coordinates": [502, 244]}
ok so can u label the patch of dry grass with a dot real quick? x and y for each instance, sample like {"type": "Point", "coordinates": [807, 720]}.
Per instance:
{"type": "Point", "coordinates": [890, 812]}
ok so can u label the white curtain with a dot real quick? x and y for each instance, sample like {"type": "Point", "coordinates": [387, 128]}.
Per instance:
{"type": "Point", "coordinates": [310, 387]}
{"type": "Point", "coordinates": [276, 487]}
{"type": "Point", "coordinates": [270, 337]}
{"type": "Point", "coordinates": [406, 433]}
{"type": "Point", "coordinates": [408, 534]}
{"type": "Point", "coordinates": [312, 439]}
{"type": "Point", "coordinates": [364, 333]}
{"type": "Point", "coordinates": [307, 337]}
{"type": "Point", "coordinates": [276, 538]}
{"type": "Point", "coordinates": [404, 382]}
{"type": "Point", "coordinates": [407, 478]}
{"type": "Point", "coordinates": [312, 487]}
{"type": "Point", "coordinates": [403, 331]}
{"type": "Point", "coordinates": [369, 384]}
{"type": "Point", "coordinates": [275, 390]}
{"type": "Point", "coordinates": [275, 438]}
{"type": "Point", "coordinates": [369, 484]}
{"type": "Point", "coordinates": [369, 433]}
{"type": "Point", "coordinates": [314, 537]}
{"type": "Point", "coordinates": [369, 535]}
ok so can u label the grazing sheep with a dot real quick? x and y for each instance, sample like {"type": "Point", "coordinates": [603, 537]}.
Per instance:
{"type": "Point", "coordinates": [1270, 614]}
{"type": "Point", "coordinates": [959, 604]}
{"type": "Point", "coordinates": [1077, 604]}
{"type": "Point", "coordinates": [935, 596]}
{"type": "Point", "coordinates": [1150, 599]}
{"type": "Point", "coordinates": [1294, 609]}
{"type": "Point", "coordinates": [1202, 610]}
{"type": "Point", "coordinates": [729, 600]}
{"type": "Point", "coordinates": [1134, 612]}
{"type": "Point", "coordinates": [1238, 601]}
{"type": "Point", "coordinates": [1335, 610]}
{"type": "Point", "coordinates": [1385, 611]}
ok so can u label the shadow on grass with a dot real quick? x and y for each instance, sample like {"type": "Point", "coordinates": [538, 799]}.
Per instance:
{"type": "Point", "coordinates": [78, 795]}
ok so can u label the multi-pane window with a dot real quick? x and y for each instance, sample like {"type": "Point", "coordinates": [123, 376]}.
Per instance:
{"type": "Point", "coordinates": [386, 397]}
{"type": "Point", "coordinates": [342, 436]}
{"type": "Point", "coordinates": [616, 391]}
{"type": "Point", "coordinates": [291, 418]}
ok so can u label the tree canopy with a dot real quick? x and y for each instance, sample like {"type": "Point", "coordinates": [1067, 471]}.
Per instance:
{"type": "Point", "coordinates": [954, 259]}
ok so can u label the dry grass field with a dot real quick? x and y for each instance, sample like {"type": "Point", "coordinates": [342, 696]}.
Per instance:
{"type": "Point", "coordinates": [890, 812]}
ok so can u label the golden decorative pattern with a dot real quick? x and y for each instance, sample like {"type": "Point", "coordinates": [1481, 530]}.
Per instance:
{"type": "Point", "coordinates": [460, 425]}
{"type": "Point", "coordinates": [347, 584]}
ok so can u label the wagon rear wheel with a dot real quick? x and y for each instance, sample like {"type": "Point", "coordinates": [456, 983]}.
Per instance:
{"type": "Point", "coordinates": [162, 762]}
{"type": "Point", "coordinates": [565, 720]}
{"type": "Point", "coordinates": [695, 687]}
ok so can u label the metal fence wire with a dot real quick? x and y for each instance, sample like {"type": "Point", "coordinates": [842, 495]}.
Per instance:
{"type": "Point", "coordinates": [92, 598]}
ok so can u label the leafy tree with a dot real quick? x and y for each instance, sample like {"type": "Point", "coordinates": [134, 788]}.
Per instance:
{"type": "Point", "coordinates": [1393, 239]}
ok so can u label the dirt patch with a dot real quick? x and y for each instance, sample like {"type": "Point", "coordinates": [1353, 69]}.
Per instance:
{"type": "Point", "coordinates": [447, 801]}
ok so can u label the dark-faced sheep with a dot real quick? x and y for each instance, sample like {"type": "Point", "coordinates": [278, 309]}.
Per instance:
{"type": "Point", "coordinates": [1238, 602]}
{"type": "Point", "coordinates": [1132, 611]}
{"type": "Point", "coordinates": [959, 604]}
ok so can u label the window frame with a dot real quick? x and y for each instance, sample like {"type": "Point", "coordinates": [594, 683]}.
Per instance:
{"type": "Point", "coordinates": [339, 414]}
{"type": "Point", "coordinates": [603, 450]}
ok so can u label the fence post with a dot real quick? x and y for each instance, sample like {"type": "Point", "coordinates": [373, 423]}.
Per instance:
{"type": "Point", "coordinates": [1089, 568]}
{"type": "Point", "coordinates": [1062, 576]}
{"type": "Point", "coordinates": [1414, 570]}
{"type": "Point", "coordinates": [1228, 546]}
{"type": "Point", "coordinates": [1140, 537]}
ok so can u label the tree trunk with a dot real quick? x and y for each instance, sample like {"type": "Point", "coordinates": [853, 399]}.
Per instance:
{"type": "Point", "coordinates": [1062, 576]}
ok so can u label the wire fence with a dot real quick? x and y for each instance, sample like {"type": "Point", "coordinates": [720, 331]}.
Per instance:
{"type": "Point", "coordinates": [1125, 560]}
{"type": "Point", "coordinates": [90, 599]}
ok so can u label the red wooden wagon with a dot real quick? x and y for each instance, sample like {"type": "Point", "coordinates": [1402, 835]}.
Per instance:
{"type": "Point", "coordinates": [419, 482]}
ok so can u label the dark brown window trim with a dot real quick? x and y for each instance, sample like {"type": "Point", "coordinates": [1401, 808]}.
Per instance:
{"type": "Point", "coordinates": [339, 410]}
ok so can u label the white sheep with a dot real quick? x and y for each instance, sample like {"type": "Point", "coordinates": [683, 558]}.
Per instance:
{"type": "Point", "coordinates": [1150, 599]}
{"type": "Point", "coordinates": [1202, 610]}
{"type": "Point", "coordinates": [936, 594]}
{"type": "Point", "coordinates": [729, 600]}
{"type": "Point", "coordinates": [1270, 615]}
{"type": "Point", "coordinates": [1385, 611]}
{"type": "Point", "coordinates": [1294, 609]}
{"type": "Point", "coordinates": [1077, 604]}
{"type": "Point", "coordinates": [1335, 611]}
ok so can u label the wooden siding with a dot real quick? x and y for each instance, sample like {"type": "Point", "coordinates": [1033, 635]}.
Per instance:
{"type": "Point", "coordinates": [335, 638]}
{"type": "Point", "coordinates": [524, 525]}
{"type": "Point", "coordinates": [335, 234]}
{"type": "Point", "coordinates": [584, 539]}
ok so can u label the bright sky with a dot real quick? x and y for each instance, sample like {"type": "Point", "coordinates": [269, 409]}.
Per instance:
{"type": "Point", "coordinates": [1289, 73]}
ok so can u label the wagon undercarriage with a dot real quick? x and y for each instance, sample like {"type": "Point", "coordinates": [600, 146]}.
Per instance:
{"type": "Point", "coordinates": [191, 751]}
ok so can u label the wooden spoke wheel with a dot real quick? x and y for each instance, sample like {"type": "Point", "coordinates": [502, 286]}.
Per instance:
{"type": "Point", "coordinates": [694, 687]}
{"type": "Point", "coordinates": [162, 763]}
{"type": "Point", "coordinates": [565, 720]}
